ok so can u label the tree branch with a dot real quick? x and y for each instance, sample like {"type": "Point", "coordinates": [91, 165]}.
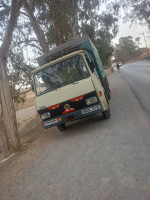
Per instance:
{"type": "Point", "coordinates": [24, 92]}
{"type": "Point", "coordinates": [5, 11]}
{"type": "Point", "coordinates": [24, 35]}
{"type": "Point", "coordinates": [34, 45]}
{"type": "Point", "coordinates": [23, 13]}
{"type": "Point", "coordinates": [28, 43]}
{"type": "Point", "coordinates": [37, 29]}
{"type": "Point", "coordinates": [4, 4]}
{"type": "Point", "coordinates": [15, 8]}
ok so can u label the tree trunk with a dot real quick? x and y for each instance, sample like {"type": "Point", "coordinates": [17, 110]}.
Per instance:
{"type": "Point", "coordinates": [37, 29]}
{"type": "Point", "coordinates": [8, 124]}
{"type": "Point", "coordinates": [74, 21]}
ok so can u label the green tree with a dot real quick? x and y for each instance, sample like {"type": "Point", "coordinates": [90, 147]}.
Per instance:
{"type": "Point", "coordinates": [135, 11]}
{"type": "Point", "coordinates": [62, 21]}
{"type": "Point", "coordinates": [19, 75]}
{"type": "Point", "coordinates": [8, 125]}
{"type": "Point", "coordinates": [127, 49]}
{"type": "Point", "coordinates": [102, 35]}
{"type": "Point", "coordinates": [18, 70]}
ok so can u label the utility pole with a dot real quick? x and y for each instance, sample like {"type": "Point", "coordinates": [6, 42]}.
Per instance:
{"type": "Point", "coordinates": [146, 44]}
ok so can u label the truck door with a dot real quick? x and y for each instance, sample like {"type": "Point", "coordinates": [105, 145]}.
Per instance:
{"type": "Point", "coordinates": [97, 83]}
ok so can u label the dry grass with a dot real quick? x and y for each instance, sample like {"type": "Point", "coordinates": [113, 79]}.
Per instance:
{"type": "Point", "coordinates": [29, 101]}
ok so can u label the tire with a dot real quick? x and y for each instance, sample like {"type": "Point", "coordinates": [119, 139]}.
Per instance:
{"type": "Point", "coordinates": [108, 95]}
{"type": "Point", "coordinates": [107, 114]}
{"type": "Point", "coordinates": [107, 89]}
{"type": "Point", "coordinates": [61, 127]}
{"type": "Point", "coordinates": [107, 99]}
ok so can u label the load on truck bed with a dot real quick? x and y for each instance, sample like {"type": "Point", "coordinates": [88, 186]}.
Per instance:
{"type": "Point", "coordinates": [70, 84]}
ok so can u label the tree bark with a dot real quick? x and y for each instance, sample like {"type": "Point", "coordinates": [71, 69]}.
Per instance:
{"type": "Point", "coordinates": [74, 22]}
{"type": "Point", "coordinates": [8, 124]}
{"type": "Point", "coordinates": [37, 29]}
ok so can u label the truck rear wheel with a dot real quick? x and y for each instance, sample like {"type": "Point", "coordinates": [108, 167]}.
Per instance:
{"type": "Point", "coordinates": [61, 127]}
{"type": "Point", "coordinates": [106, 114]}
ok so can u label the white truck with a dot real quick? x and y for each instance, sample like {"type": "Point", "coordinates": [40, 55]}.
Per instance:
{"type": "Point", "coordinates": [70, 84]}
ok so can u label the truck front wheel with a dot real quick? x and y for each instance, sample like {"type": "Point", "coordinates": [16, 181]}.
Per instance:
{"type": "Point", "coordinates": [61, 127]}
{"type": "Point", "coordinates": [106, 114]}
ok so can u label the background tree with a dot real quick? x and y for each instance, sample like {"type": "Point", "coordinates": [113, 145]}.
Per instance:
{"type": "Point", "coordinates": [18, 70]}
{"type": "Point", "coordinates": [62, 21]}
{"type": "Point", "coordinates": [8, 125]}
{"type": "Point", "coordinates": [127, 49]}
{"type": "Point", "coordinates": [101, 31]}
{"type": "Point", "coordinates": [41, 25]}
{"type": "Point", "coordinates": [19, 75]}
{"type": "Point", "coordinates": [137, 11]}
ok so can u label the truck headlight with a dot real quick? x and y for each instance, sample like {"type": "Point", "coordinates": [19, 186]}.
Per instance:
{"type": "Point", "coordinates": [91, 100]}
{"type": "Point", "coordinates": [45, 116]}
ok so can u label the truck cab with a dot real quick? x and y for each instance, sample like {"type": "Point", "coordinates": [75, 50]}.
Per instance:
{"type": "Point", "coordinates": [70, 85]}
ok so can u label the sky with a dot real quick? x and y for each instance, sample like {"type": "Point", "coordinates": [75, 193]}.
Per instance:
{"type": "Point", "coordinates": [125, 29]}
{"type": "Point", "coordinates": [135, 31]}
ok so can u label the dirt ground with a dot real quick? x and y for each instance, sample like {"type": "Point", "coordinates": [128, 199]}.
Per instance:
{"type": "Point", "coordinates": [27, 121]}
{"type": "Point", "coordinates": [93, 159]}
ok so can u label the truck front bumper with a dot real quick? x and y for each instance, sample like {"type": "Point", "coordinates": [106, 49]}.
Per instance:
{"type": "Point", "coordinates": [78, 114]}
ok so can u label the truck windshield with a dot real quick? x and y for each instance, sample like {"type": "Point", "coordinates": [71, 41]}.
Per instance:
{"type": "Point", "coordinates": [60, 74]}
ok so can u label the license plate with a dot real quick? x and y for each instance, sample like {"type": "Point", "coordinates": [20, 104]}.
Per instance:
{"type": "Point", "coordinates": [88, 110]}
{"type": "Point", "coordinates": [53, 121]}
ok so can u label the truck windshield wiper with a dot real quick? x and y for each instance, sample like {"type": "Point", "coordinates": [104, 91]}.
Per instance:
{"type": "Point", "coordinates": [64, 83]}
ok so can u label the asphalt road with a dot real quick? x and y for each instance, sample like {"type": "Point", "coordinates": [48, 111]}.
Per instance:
{"type": "Point", "coordinates": [93, 160]}
{"type": "Point", "coordinates": [138, 76]}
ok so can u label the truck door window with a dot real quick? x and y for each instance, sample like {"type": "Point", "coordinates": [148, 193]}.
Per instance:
{"type": "Point", "coordinates": [90, 63]}
{"type": "Point", "coordinates": [60, 74]}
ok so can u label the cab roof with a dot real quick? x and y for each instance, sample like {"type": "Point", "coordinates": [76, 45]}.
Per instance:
{"type": "Point", "coordinates": [63, 50]}
{"type": "Point", "coordinates": [57, 60]}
